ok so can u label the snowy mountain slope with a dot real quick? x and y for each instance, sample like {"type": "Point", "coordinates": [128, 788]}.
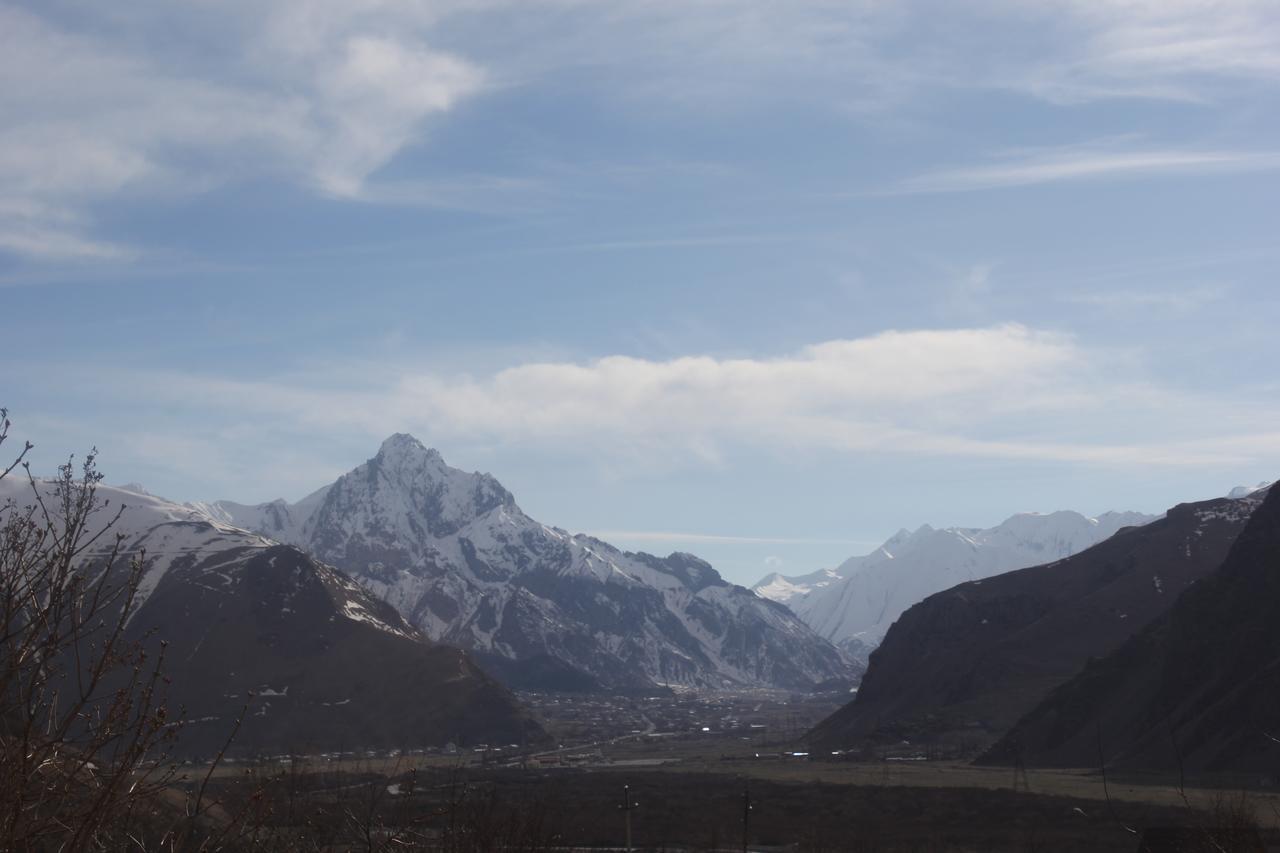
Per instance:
{"type": "Point", "coordinates": [170, 534]}
{"type": "Point", "coordinates": [1245, 491]}
{"type": "Point", "coordinates": [782, 588]}
{"type": "Point", "coordinates": [857, 602]}
{"type": "Point", "coordinates": [244, 615]}
{"type": "Point", "coordinates": [276, 519]}
{"type": "Point", "coordinates": [453, 552]}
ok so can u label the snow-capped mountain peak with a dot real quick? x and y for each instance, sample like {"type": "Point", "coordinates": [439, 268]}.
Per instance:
{"type": "Point", "coordinates": [404, 496]}
{"type": "Point", "coordinates": [403, 442]}
{"type": "Point", "coordinates": [454, 553]}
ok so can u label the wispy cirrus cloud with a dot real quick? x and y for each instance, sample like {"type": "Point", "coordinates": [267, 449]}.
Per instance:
{"type": "Point", "coordinates": [159, 96]}
{"type": "Point", "coordinates": [144, 100]}
{"type": "Point", "coordinates": [1168, 298]}
{"type": "Point", "coordinates": [89, 116]}
{"type": "Point", "coordinates": [1188, 50]}
{"type": "Point", "coordinates": [37, 229]}
{"type": "Point", "coordinates": [1058, 165]}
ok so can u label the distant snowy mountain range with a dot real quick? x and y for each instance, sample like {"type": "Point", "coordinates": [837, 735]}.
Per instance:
{"type": "Point", "coordinates": [453, 552]}
{"type": "Point", "coordinates": [854, 604]}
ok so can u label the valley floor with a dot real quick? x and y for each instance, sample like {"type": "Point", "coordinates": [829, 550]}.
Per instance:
{"type": "Point", "coordinates": [690, 759]}
{"type": "Point", "coordinates": [684, 809]}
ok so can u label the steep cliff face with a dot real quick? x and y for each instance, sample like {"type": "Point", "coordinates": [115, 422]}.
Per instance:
{"type": "Point", "coordinates": [453, 552]}
{"type": "Point", "coordinates": [1198, 688]}
{"type": "Point", "coordinates": [970, 661]}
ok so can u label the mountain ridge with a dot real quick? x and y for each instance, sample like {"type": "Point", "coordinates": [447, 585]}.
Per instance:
{"type": "Point", "coordinates": [965, 664]}
{"type": "Point", "coordinates": [1197, 689]}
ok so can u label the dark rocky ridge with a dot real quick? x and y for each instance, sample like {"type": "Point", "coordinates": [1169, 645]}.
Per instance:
{"type": "Point", "coordinates": [962, 666]}
{"type": "Point", "coordinates": [273, 622]}
{"type": "Point", "coordinates": [1198, 689]}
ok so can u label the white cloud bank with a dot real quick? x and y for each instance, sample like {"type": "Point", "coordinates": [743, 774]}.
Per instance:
{"type": "Point", "coordinates": [1005, 392]}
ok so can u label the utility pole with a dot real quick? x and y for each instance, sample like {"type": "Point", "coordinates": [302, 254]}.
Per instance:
{"type": "Point", "coordinates": [746, 813]}
{"type": "Point", "coordinates": [627, 807]}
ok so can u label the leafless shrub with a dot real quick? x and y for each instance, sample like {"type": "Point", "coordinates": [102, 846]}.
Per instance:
{"type": "Point", "coordinates": [1233, 824]}
{"type": "Point", "coordinates": [84, 726]}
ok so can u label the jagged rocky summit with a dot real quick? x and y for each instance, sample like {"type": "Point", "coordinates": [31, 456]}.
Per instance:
{"type": "Point", "coordinates": [539, 607]}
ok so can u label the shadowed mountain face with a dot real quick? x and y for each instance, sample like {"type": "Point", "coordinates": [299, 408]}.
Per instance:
{"type": "Point", "coordinates": [328, 666]}
{"type": "Point", "coordinates": [1200, 687]}
{"type": "Point", "coordinates": [322, 664]}
{"type": "Point", "coordinates": [453, 552]}
{"type": "Point", "coordinates": [964, 665]}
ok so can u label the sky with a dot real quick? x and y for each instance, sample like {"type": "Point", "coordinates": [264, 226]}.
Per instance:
{"type": "Point", "coordinates": [762, 281]}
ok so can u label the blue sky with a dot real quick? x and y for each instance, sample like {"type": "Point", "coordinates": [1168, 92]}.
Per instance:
{"type": "Point", "coordinates": [763, 281]}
